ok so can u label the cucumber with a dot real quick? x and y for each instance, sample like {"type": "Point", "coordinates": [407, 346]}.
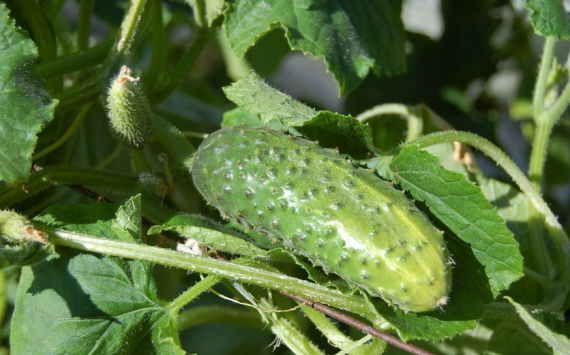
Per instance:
{"type": "Point", "coordinates": [321, 206]}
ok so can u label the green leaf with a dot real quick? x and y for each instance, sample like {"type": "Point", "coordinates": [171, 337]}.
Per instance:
{"type": "Point", "coordinates": [352, 36]}
{"type": "Point", "coordinates": [257, 97]}
{"type": "Point", "coordinates": [211, 234]}
{"type": "Point", "coordinates": [83, 303]}
{"type": "Point", "coordinates": [510, 337]}
{"type": "Point", "coordinates": [25, 104]}
{"type": "Point", "coordinates": [470, 292]}
{"type": "Point", "coordinates": [549, 18]}
{"type": "Point", "coordinates": [461, 206]}
{"type": "Point", "coordinates": [280, 111]}
{"type": "Point", "coordinates": [558, 342]}
{"type": "Point", "coordinates": [127, 225]}
{"type": "Point", "coordinates": [514, 207]}
{"type": "Point", "coordinates": [334, 130]}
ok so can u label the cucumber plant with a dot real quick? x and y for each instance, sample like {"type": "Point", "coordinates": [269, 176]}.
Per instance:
{"type": "Point", "coordinates": [391, 222]}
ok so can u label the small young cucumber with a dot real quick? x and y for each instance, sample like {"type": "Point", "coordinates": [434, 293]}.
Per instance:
{"type": "Point", "coordinates": [341, 217]}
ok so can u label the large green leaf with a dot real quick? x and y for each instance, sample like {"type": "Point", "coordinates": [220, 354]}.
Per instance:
{"type": "Point", "coordinates": [462, 207]}
{"type": "Point", "coordinates": [549, 18]}
{"type": "Point", "coordinates": [83, 303]}
{"type": "Point", "coordinates": [257, 97]}
{"type": "Point", "coordinates": [25, 104]}
{"type": "Point", "coordinates": [515, 208]}
{"type": "Point", "coordinates": [352, 36]}
{"type": "Point", "coordinates": [277, 109]}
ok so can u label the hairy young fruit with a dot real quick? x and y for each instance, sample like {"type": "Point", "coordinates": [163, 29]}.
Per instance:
{"type": "Point", "coordinates": [129, 110]}
{"type": "Point", "coordinates": [341, 217]}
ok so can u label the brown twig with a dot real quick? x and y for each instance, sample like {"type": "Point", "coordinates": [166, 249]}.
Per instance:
{"type": "Point", "coordinates": [363, 327]}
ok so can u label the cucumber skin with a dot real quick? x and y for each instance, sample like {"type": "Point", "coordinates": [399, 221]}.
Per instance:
{"type": "Point", "coordinates": [341, 217]}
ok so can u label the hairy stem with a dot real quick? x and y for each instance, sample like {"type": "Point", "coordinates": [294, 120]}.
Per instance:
{"type": "Point", "coordinates": [219, 268]}
{"type": "Point", "coordinates": [192, 293]}
{"type": "Point", "coordinates": [538, 154]}
{"type": "Point", "coordinates": [411, 114]}
{"type": "Point", "coordinates": [67, 134]}
{"type": "Point", "coordinates": [541, 80]}
{"type": "Point", "coordinates": [75, 61]}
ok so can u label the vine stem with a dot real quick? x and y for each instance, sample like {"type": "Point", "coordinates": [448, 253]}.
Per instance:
{"type": "Point", "coordinates": [219, 268]}
{"type": "Point", "coordinates": [411, 114]}
{"type": "Point", "coordinates": [545, 122]}
{"type": "Point", "coordinates": [157, 64]}
{"type": "Point", "coordinates": [84, 23]}
{"type": "Point", "coordinates": [110, 158]}
{"type": "Point", "coordinates": [67, 134]}
{"type": "Point", "coordinates": [545, 118]}
{"type": "Point", "coordinates": [542, 79]}
{"type": "Point", "coordinates": [492, 151]}
{"type": "Point", "coordinates": [192, 293]}
{"type": "Point", "coordinates": [75, 61]}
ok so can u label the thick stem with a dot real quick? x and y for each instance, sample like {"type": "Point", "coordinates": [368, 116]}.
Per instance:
{"type": "Point", "coordinates": [538, 154]}
{"type": "Point", "coordinates": [75, 61]}
{"type": "Point", "coordinates": [545, 122]}
{"type": "Point", "coordinates": [209, 266]}
{"type": "Point", "coordinates": [41, 31]}
{"type": "Point", "coordinates": [3, 298]}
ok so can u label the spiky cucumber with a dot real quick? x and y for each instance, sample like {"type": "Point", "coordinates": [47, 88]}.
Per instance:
{"type": "Point", "coordinates": [341, 217]}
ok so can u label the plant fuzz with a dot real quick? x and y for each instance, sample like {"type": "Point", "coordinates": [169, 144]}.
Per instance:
{"type": "Point", "coordinates": [129, 110]}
